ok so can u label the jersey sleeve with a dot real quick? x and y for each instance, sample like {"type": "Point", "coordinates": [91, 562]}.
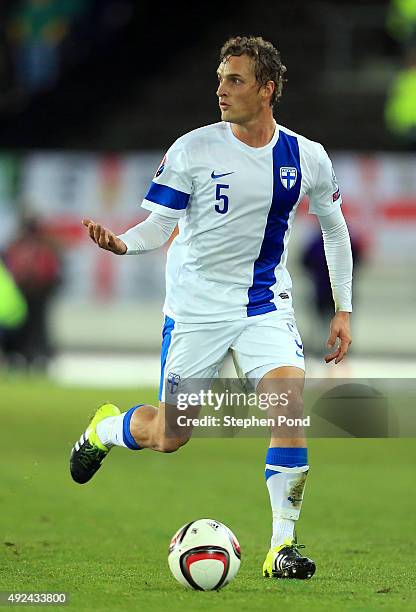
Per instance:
{"type": "Point", "coordinates": [171, 186]}
{"type": "Point", "coordinates": [325, 195]}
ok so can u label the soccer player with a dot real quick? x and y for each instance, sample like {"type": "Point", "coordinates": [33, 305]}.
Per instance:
{"type": "Point", "coordinates": [233, 188]}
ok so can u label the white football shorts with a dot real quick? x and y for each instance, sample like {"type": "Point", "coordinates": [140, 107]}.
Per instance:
{"type": "Point", "coordinates": [195, 351]}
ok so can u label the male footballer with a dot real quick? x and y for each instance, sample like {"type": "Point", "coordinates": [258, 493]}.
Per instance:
{"type": "Point", "coordinates": [233, 188]}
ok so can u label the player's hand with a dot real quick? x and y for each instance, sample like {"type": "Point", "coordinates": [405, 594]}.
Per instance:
{"type": "Point", "coordinates": [339, 329]}
{"type": "Point", "coordinates": [105, 238]}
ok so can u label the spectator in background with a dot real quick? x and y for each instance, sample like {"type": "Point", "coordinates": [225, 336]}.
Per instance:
{"type": "Point", "coordinates": [400, 111]}
{"type": "Point", "coordinates": [314, 262]}
{"type": "Point", "coordinates": [401, 21]}
{"type": "Point", "coordinates": [36, 29]}
{"type": "Point", "coordinates": [13, 307]}
{"type": "Point", "coordinates": [35, 265]}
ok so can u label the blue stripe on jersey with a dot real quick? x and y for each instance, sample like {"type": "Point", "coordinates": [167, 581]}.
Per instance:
{"type": "Point", "coordinates": [167, 196]}
{"type": "Point", "coordinates": [260, 296]}
{"type": "Point", "coordinates": [166, 340]}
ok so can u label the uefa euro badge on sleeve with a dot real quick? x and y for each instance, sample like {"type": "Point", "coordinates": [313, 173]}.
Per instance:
{"type": "Point", "coordinates": [161, 167]}
{"type": "Point", "coordinates": [288, 176]}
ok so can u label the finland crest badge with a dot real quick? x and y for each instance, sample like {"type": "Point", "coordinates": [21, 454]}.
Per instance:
{"type": "Point", "coordinates": [288, 176]}
{"type": "Point", "coordinates": [173, 381]}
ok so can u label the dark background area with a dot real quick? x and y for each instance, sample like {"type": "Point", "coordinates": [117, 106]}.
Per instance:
{"type": "Point", "coordinates": [136, 75]}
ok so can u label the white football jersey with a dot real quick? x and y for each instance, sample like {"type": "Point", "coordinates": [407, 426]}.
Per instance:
{"type": "Point", "coordinates": [235, 205]}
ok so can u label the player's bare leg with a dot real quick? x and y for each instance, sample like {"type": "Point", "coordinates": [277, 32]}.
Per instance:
{"type": "Point", "coordinates": [143, 426]}
{"type": "Point", "coordinates": [152, 428]}
{"type": "Point", "coordinates": [286, 472]}
{"type": "Point", "coordinates": [278, 381]}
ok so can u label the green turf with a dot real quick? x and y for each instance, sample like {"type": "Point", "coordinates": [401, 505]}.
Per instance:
{"type": "Point", "coordinates": [105, 543]}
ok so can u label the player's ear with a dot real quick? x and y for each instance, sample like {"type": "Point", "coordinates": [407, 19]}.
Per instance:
{"type": "Point", "coordinates": [268, 89]}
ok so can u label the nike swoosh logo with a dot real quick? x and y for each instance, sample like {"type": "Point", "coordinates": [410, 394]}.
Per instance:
{"type": "Point", "coordinates": [215, 176]}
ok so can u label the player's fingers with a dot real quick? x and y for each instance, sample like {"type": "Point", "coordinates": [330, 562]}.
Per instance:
{"type": "Point", "coordinates": [111, 240]}
{"type": "Point", "coordinates": [343, 349]}
{"type": "Point", "coordinates": [342, 352]}
{"type": "Point", "coordinates": [103, 239]}
{"type": "Point", "coordinates": [332, 337]}
{"type": "Point", "coordinates": [331, 356]}
{"type": "Point", "coordinates": [97, 232]}
{"type": "Point", "coordinates": [89, 224]}
{"type": "Point", "coordinates": [91, 231]}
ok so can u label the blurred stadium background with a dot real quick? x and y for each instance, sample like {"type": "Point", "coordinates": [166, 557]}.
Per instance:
{"type": "Point", "coordinates": [94, 91]}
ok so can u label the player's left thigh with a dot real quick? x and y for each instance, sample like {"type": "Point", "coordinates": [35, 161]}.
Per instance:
{"type": "Point", "coordinates": [267, 343]}
{"type": "Point", "coordinates": [285, 383]}
{"type": "Point", "coordinates": [281, 391]}
{"type": "Point", "coordinates": [270, 354]}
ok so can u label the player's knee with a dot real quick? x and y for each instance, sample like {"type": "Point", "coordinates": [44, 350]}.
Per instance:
{"type": "Point", "coordinates": [294, 408]}
{"type": "Point", "coordinates": [291, 405]}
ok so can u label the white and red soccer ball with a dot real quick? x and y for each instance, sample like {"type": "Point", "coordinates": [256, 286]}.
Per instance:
{"type": "Point", "coordinates": [204, 555]}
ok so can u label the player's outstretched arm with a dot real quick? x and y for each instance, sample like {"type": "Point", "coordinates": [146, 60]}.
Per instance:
{"type": "Point", "coordinates": [104, 238]}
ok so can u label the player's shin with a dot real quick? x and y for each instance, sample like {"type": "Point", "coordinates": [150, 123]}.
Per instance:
{"type": "Point", "coordinates": [286, 472]}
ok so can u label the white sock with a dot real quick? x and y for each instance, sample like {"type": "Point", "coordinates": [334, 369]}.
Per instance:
{"type": "Point", "coordinates": [110, 431]}
{"type": "Point", "coordinates": [283, 529]}
{"type": "Point", "coordinates": [286, 493]}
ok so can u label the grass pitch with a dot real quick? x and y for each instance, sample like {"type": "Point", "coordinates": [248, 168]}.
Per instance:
{"type": "Point", "coordinates": [105, 543]}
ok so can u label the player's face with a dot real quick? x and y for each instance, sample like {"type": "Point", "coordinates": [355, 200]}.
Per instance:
{"type": "Point", "coordinates": [240, 98]}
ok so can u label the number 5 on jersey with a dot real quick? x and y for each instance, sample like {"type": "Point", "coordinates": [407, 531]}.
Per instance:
{"type": "Point", "coordinates": [221, 197]}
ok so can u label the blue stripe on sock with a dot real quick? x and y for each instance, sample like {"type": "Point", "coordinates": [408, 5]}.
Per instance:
{"type": "Point", "coordinates": [269, 473]}
{"type": "Point", "coordinates": [128, 439]}
{"type": "Point", "coordinates": [286, 457]}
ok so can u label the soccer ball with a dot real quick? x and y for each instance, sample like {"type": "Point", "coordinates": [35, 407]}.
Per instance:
{"type": "Point", "coordinates": [204, 555]}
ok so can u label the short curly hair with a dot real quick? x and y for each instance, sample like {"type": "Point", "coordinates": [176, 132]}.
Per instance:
{"type": "Point", "coordinates": [267, 63]}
